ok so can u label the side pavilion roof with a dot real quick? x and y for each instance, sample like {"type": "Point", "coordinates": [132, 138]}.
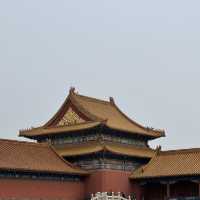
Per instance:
{"type": "Point", "coordinates": [174, 163]}
{"type": "Point", "coordinates": [21, 156]}
{"type": "Point", "coordinates": [91, 112]}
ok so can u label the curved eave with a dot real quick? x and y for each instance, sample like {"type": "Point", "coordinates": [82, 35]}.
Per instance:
{"type": "Point", "coordinates": [118, 149]}
{"type": "Point", "coordinates": [144, 131]}
{"type": "Point", "coordinates": [163, 176]}
{"type": "Point", "coordinates": [137, 155]}
{"type": "Point", "coordinates": [151, 134]}
{"type": "Point", "coordinates": [39, 132]}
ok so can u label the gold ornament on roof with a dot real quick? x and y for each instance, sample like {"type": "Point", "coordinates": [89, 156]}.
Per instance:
{"type": "Point", "coordinates": [70, 118]}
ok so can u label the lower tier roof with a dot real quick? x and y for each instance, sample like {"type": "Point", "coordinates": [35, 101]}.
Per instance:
{"type": "Point", "coordinates": [115, 148]}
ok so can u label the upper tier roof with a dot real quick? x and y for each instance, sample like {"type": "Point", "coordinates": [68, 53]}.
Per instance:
{"type": "Point", "coordinates": [175, 163]}
{"type": "Point", "coordinates": [81, 112]}
{"type": "Point", "coordinates": [33, 157]}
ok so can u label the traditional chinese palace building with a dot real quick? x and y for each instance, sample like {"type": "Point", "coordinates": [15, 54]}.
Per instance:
{"type": "Point", "coordinates": [91, 146]}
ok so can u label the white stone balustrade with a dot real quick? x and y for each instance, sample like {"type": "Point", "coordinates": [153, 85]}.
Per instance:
{"type": "Point", "coordinates": [107, 196]}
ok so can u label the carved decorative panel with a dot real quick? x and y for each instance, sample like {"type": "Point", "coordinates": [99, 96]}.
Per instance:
{"type": "Point", "coordinates": [70, 118]}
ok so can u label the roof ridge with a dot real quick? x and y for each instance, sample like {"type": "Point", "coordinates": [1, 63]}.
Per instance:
{"type": "Point", "coordinates": [23, 142]}
{"type": "Point", "coordinates": [73, 101]}
{"type": "Point", "coordinates": [180, 151]}
{"type": "Point", "coordinates": [82, 109]}
{"type": "Point", "coordinates": [113, 104]}
{"type": "Point", "coordinates": [57, 113]}
{"type": "Point", "coordinates": [93, 99]}
{"type": "Point", "coordinates": [143, 167]}
{"type": "Point", "coordinates": [136, 123]}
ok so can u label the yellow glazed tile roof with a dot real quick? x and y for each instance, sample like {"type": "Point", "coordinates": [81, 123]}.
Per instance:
{"type": "Point", "coordinates": [94, 147]}
{"type": "Point", "coordinates": [184, 162]}
{"type": "Point", "coordinates": [97, 112]}
{"type": "Point", "coordinates": [113, 116]}
{"type": "Point", "coordinates": [34, 157]}
{"type": "Point", "coordinates": [59, 129]}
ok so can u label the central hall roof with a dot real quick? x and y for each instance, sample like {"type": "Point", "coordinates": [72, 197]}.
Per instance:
{"type": "Point", "coordinates": [97, 112]}
{"type": "Point", "coordinates": [33, 157]}
{"type": "Point", "coordinates": [175, 163]}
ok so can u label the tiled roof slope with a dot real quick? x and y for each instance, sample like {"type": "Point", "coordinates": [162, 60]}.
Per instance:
{"type": "Point", "coordinates": [184, 162]}
{"type": "Point", "coordinates": [112, 115]}
{"type": "Point", "coordinates": [99, 111]}
{"type": "Point", "coordinates": [115, 148]}
{"type": "Point", "coordinates": [59, 129]}
{"type": "Point", "coordinates": [34, 157]}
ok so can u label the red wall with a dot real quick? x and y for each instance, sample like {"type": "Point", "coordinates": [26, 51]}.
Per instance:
{"type": "Point", "coordinates": [110, 181]}
{"type": "Point", "coordinates": [41, 188]}
{"type": "Point", "coordinates": [98, 181]}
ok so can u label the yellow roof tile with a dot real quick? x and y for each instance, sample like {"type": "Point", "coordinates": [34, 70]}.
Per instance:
{"type": "Point", "coordinates": [96, 111]}
{"type": "Point", "coordinates": [171, 163]}
{"type": "Point", "coordinates": [94, 147]}
{"type": "Point", "coordinates": [34, 157]}
{"type": "Point", "coordinates": [57, 130]}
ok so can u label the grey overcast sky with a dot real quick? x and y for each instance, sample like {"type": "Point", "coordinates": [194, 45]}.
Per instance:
{"type": "Point", "coordinates": [143, 53]}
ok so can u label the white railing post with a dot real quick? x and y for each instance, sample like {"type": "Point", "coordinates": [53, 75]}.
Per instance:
{"type": "Point", "coordinates": [113, 195]}
{"type": "Point", "coordinates": [118, 196]}
{"type": "Point", "coordinates": [103, 196]}
{"type": "Point", "coordinates": [106, 196]}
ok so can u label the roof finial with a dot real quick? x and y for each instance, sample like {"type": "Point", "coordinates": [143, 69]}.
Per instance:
{"type": "Point", "coordinates": [72, 90]}
{"type": "Point", "coordinates": [112, 101]}
{"type": "Point", "coordinates": [158, 149]}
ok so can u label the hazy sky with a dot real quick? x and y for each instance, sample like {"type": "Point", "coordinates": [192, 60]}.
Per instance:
{"type": "Point", "coordinates": [146, 54]}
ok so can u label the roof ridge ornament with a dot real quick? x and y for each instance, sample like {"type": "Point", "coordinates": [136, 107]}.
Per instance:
{"type": "Point", "coordinates": [112, 101]}
{"type": "Point", "coordinates": [158, 149]}
{"type": "Point", "coordinates": [72, 90]}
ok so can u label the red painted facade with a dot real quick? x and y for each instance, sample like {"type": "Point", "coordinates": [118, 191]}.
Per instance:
{"type": "Point", "coordinates": [98, 181]}
{"type": "Point", "coordinates": [41, 189]}
{"type": "Point", "coordinates": [111, 181]}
